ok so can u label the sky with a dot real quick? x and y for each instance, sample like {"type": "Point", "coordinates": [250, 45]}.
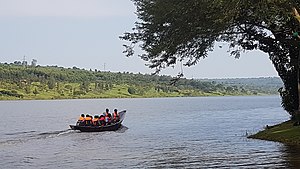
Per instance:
{"type": "Point", "coordinates": [85, 34]}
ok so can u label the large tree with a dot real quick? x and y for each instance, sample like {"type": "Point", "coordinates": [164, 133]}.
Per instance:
{"type": "Point", "coordinates": [186, 30]}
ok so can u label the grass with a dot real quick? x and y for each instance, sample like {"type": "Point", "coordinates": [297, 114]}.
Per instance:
{"type": "Point", "coordinates": [285, 133]}
{"type": "Point", "coordinates": [38, 91]}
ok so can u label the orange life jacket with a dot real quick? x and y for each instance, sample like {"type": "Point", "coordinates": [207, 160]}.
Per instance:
{"type": "Point", "coordinates": [88, 118]}
{"type": "Point", "coordinates": [95, 119]}
{"type": "Point", "coordinates": [81, 118]}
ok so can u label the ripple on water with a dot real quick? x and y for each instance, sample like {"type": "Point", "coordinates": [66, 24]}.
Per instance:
{"type": "Point", "coordinates": [198, 133]}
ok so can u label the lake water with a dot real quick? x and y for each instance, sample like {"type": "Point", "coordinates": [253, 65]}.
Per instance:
{"type": "Point", "coordinates": [197, 132]}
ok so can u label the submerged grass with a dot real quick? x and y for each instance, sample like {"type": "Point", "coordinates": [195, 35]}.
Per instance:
{"type": "Point", "coordinates": [285, 133]}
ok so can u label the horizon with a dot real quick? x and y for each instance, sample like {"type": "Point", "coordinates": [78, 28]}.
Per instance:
{"type": "Point", "coordinates": [86, 34]}
{"type": "Point", "coordinates": [90, 69]}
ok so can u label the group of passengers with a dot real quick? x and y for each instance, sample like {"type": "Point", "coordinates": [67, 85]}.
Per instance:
{"type": "Point", "coordinates": [105, 119]}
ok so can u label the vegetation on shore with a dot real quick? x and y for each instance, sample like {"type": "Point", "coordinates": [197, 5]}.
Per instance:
{"type": "Point", "coordinates": [285, 133]}
{"type": "Point", "coordinates": [52, 82]}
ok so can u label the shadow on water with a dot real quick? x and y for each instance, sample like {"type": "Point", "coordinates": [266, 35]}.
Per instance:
{"type": "Point", "coordinates": [122, 129]}
{"type": "Point", "coordinates": [292, 155]}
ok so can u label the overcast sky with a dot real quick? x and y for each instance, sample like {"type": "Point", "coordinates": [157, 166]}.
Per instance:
{"type": "Point", "coordinates": [85, 34]}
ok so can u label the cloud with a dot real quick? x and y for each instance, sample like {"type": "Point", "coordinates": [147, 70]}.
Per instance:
{"type": "Point", "coordinates": [65, 8]}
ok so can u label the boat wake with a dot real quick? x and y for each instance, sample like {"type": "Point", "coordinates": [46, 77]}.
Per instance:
{"type": "Point", "coordinates": [19, 133]}
{"type": "Point", "coordinates": [25, 136]}
{"type": "Point", "coordinates": [56, 133]}
{"type": "Point", "coordinates": [22, 137]}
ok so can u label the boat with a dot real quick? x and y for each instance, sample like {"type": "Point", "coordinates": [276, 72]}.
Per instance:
{"type": "Point", "coordinates": [111, 127]}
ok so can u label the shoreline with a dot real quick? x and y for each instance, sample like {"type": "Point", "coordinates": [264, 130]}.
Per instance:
{"type": "Point", "coordinates": [284, 132]}
{"type": "Point", "coordinates": [132, 97]}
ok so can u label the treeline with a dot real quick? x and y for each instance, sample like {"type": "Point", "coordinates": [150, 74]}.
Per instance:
{"type": "Point", "coordinates": [268, 85]}
{"type": "Point", "coordinates": [52, 82]}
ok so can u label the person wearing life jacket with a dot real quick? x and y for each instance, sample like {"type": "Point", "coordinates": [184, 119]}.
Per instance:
{"type": "Point", "coordinates": [116, 116]}
{"type": "Point", "coordinates": [88, 120]}
{"type": "Point", "coordinates": [107, 117]}
{"type": "Point", "coordinates": [80, 121]}
{"type": "Point", "coordinates": [95, 120]}
{"type": "Point", "coordinates": [102, 120]}
{"type": "Point", "coordinates": [106, 113]}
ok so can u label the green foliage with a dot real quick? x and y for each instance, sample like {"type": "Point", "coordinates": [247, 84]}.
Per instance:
{"type": "Point", "coordinates": [78, 92]}
{"type": "Point", "coordinates": [12, 93]}
{"type": "Point", "coordinates": [131, 90]}
{"type": "Point", "coordinates": [35, 91]}
{"type": "Point", "coordinates": [84, 86]}
{"type": "Point", "coordinates": [69, 87]}
{"type": "Point", "coordinates": [285, 133]}
{"type": "Point", "coordinates": [269, 85]}
{"type": "Point", "coordinates": [179, 30]}
{"type": "Point", "coordinates": [53, 82]}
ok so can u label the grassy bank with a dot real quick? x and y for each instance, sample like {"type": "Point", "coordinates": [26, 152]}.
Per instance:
{"type": "Point", "coordinates": [285, 133]}
{"type": "Point", "coordinates": [61, 90]}
{"type": "Point", "coordinates": [18, 82]}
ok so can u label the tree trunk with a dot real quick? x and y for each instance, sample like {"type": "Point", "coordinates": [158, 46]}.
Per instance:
{"type": "Point", "coordinates": [297, 114]}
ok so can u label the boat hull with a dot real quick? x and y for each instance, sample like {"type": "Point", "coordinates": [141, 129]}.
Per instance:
{"type": "Point", "coordinates": [96, 128]}
{"type": "Point", "coordinates": [111, 127]}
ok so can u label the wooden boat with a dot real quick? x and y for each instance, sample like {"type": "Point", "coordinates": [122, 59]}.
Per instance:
{"type": "Point", "coordinates": [111, 127]}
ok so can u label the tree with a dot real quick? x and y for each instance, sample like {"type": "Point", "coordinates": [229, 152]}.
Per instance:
{"type": "Point", "coordinates": [35, 91]}
{"type": "Point", "coordinates": [51, 82]}
{"type": "Point", "coordinates": [131, 90]}
{"type": "Point", "coordinates": [178, 30]}
{"type": "Point", "coordinates": [84, 86]}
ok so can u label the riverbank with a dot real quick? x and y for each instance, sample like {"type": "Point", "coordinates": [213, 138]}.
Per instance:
{"type": "Point", "coordinates": [116, 91]}
{"type": "Point", "coordinates": [284, 133]}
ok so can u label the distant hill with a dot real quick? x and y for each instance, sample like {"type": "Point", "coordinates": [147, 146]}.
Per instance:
{"type": "Point", "coordinates": [262, 84]}
{"type": "Point", "coordinates": [52, 82]}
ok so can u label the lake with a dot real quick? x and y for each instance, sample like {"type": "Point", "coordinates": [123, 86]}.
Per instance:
{"type": "Point", "coordinates": [195, 132]}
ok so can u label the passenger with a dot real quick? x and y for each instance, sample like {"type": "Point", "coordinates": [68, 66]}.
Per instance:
{"type": "Point", "coordinates": [106, 112]}
{"type": "Point", "coordinates": [88, 120]}
{"type": "Point", "coordinates": [116, 117]}
{"type": "Point", "coordinates": [102, 120]}
{"type": "Point", "coordinates": [80, 121]}
{"type": "Point", "coordinates": [108, 119]}
{"type": "Point", "coordinates": [96, 120]}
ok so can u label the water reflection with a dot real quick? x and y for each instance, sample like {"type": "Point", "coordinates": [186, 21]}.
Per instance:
{"type": "Point", "coordinates": [292, 155]}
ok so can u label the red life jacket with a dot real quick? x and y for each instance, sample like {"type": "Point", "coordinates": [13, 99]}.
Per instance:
{"type": "Point", "coordinates": [116, 116]}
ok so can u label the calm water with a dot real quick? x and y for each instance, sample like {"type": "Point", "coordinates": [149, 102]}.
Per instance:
{"type": "Point", "coordinates": [208, 132]}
